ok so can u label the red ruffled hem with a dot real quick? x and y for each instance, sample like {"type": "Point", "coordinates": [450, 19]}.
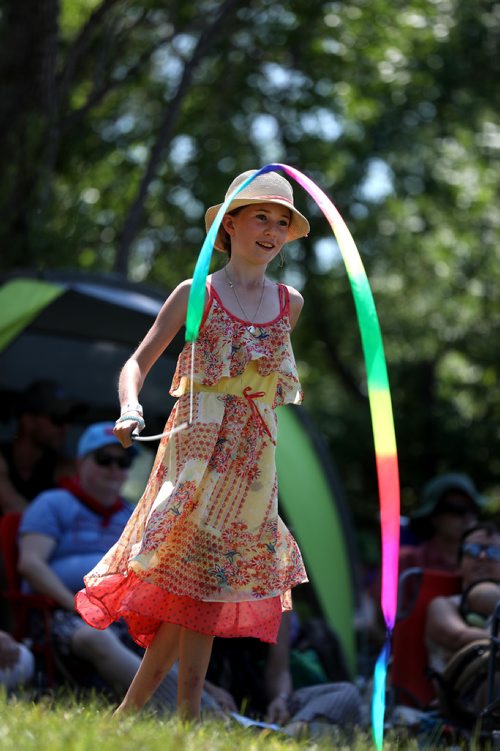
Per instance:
{"type": "Point", "coordinates": [144, 607]}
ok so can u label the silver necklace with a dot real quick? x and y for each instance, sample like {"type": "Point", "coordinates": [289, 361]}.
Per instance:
{"type": "Point", "coordinates": [252, 329]}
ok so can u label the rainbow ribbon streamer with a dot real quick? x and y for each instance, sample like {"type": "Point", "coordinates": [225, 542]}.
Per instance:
{"type": "Point", "coordinates": [378, 393]}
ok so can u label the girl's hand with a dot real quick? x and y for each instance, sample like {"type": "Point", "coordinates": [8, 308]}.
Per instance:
{"type": "Point", "coordinates": [124, 428]}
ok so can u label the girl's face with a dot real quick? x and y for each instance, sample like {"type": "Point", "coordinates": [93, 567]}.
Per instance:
{"type": "Point", "coordinates": [258, 231]}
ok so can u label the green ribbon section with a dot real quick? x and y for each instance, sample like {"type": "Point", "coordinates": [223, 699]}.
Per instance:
{"type": "Point", "coordinates": [373, 348]}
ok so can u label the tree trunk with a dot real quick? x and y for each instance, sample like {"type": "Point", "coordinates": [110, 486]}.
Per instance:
{"type": "Point", "coordinates": [28, 69]}
{"type": "Point", "coordinates": [133, 219]}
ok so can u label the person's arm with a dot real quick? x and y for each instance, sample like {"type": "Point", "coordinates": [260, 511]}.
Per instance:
{"type": "Point", "coordinates": [445, 627]}
{"type": "Point", "coordinates": [296, 305]}
{"type": "Point", "coordinates": [483, 598]}
{"type": "Point", "coordinates": [10, 498]}
{"type": "Point", "coordinates": [168, 322]}
{"type": "Point", "coordinates": [34, 552]}
{"type": "Point", "coordinates": [277, 675]}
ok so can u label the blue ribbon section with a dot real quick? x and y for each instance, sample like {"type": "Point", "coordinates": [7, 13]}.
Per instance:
{"type": "Point", "coordinates": [378, 697]}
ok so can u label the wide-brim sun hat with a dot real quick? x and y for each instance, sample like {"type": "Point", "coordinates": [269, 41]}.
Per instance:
{"type": "Point", "coordinates": [434, 491]}
{"type": "Point", "coordinates": [269, 187]}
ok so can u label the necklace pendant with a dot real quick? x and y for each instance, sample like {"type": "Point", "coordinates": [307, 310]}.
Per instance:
{"type": "Point", "coordinates": [252, 330]}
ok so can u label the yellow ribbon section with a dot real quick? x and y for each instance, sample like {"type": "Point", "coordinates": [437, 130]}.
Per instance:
{"type": "Point", "coordinates": [381, 409]}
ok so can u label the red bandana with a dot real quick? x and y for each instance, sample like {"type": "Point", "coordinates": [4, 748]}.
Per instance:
{"type": "Point", "coordinates": [73, 485]}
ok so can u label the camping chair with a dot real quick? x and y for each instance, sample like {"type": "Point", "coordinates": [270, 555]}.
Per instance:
{"type": "Point", "coordinates": [493, 705]}
{"type": "Point", "coordinates": [495, 649]}
{"type": "Point", "coordinates": [469, 680]}
{"type": "Point", "coordinates": [22, 605]}
{"type": "Point", "coordinates": [410, 680]}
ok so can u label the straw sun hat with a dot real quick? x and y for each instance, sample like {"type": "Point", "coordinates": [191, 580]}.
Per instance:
{"type": "Point", "coordinates": [267, 188]}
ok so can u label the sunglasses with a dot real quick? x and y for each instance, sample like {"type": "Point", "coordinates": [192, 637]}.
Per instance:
{"type": "Point", "coordinates": [474, 550]}
{"type": "Point", "coordinates": [107, 460]}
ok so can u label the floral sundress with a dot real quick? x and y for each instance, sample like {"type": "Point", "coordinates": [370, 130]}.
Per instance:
{"type": "Point", "coordinates": [205, 547]}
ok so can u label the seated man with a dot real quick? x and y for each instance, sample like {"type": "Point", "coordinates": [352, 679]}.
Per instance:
{"type": "Point", "coordinates": [64, 532]}
{"type": "Point", "coordinates": [457, 622]}
{"type": "Point", "coordinates": [248, 676]}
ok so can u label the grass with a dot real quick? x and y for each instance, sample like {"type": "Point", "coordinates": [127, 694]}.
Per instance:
{"type": "Point", "coordinates": [66, 725]}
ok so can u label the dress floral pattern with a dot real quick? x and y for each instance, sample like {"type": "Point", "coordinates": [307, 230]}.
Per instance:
{"type": "Point", "coordinates": [205, 547]}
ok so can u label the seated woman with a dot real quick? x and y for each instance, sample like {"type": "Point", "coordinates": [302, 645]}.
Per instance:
{"type": "Point", "coordinates": [449, 505]}
{"type": "Point", "coordinates": [458, 628]}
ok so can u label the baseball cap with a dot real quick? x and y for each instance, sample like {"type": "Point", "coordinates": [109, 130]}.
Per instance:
{"type": "Point", "coordinates": [96, 436]}
{"type": "Point", "coordinates": [50, 398]}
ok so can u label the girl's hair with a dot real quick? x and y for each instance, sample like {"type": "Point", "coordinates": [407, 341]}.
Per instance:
{"type": "Point", "coordinates": [223, 235]}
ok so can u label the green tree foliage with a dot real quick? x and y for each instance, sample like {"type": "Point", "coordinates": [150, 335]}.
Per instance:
{"type": "Point", "coordinates": [122, 120]}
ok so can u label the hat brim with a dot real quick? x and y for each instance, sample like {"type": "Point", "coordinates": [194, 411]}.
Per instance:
{"type": "Point", "coordinates": [132, 450]}
{"type": "Point", "coordinates": [442, 485]}
{"type": "Point", "coordinates": [299, 226]}
{"type": "Point", "coordinates": [430, 508]}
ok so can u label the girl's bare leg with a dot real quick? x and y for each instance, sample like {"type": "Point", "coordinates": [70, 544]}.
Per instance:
{"type": "Point", "coordinates": [157, 661]}
{"type": "Point", "coordinates": [194, 655]}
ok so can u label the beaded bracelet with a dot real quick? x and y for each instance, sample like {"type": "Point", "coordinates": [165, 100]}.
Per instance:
{"type": "Point", "coordinates": [133, 417]}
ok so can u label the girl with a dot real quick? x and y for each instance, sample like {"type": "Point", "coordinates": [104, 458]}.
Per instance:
{"type": "Point", "coordinates": [205, 553]}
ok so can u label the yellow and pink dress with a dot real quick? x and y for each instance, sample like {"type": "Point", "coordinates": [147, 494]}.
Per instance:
{"type": "Point", "coordinates": [205, 547]}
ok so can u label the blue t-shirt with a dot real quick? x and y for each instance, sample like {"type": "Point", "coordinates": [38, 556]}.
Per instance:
{"type": "Point", "coordinates": [81, 539]}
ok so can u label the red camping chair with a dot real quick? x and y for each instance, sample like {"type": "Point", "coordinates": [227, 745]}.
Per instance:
{"type": "Point", "coordinates": [409, 672]}
{"type": "Point", "coordinates": [22, 604]}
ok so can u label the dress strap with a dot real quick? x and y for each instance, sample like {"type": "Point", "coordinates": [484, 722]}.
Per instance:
{"type": "Point", "coordinates": [284, 297]}
{"type": "Point", "coordinates": [211, 294]}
